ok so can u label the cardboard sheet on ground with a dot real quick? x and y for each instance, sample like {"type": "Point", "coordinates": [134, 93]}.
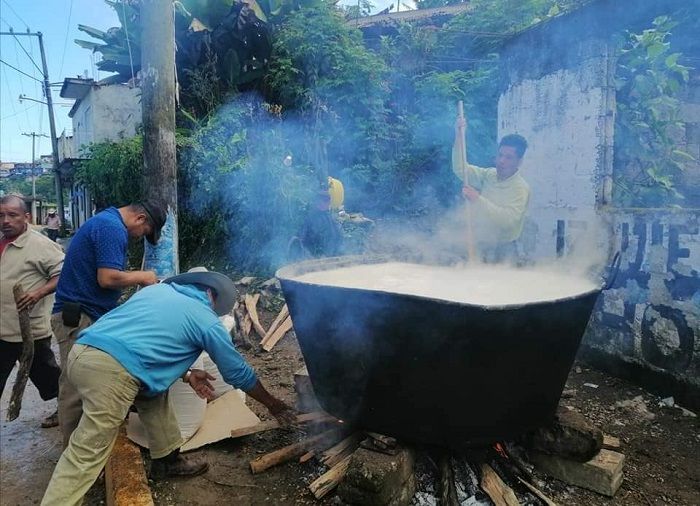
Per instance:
{"type": "Point", "coordinates": [223, 415]}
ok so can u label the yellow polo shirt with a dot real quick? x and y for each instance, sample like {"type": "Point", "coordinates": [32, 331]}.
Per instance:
{"type": "Point", "coordinates": [499, 213]}
{"type": "Point", "coordinates": [31, 259]}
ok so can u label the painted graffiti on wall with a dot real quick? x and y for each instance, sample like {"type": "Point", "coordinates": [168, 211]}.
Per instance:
{"type": "Point", "coordinates": [652, 312]}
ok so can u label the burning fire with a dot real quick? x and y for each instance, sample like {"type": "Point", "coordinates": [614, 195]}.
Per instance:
{"type": "Point", "coordinates": [501, 451]}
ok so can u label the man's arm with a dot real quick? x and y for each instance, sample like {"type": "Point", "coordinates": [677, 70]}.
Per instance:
{"type": "Point", "coordinates": [507, 216]}
{"type": "Point", "coordinates": [238, 373]}
{"type": "Point", "coordinates": [116, 279]}
{"type": "Point", "coordinates": [29, 299]}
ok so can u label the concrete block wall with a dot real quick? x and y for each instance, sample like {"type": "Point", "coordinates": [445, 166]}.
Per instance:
{"type": "Point", "coordinates": [650, 318]}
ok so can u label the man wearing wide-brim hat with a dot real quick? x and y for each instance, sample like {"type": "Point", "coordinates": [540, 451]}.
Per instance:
{"type": "Point", "coordinates": [132, 355]}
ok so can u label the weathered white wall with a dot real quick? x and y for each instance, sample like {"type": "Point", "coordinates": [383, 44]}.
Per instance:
{"type": "Point", "coordinates": [566, 118]}
{"type": "Point", "coordinates": [650, 318]}
{"type": "Point", "coordinates": [109, 112]}
{"type": "Point", "coordinates": [116, 112]}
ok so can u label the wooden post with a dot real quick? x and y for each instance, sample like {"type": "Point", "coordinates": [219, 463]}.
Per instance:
{"type": "Point", "coordinates": [462, 146]}
{"type": "Point", "coordinates": [25, 360]}
{"type": "Point", "coordinates": [158, 106]}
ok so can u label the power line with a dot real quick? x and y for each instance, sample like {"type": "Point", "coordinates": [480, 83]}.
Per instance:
{"type": "Point", "coordinates": [26, 52]}
{"type": "Point", "coordinates": [12, 104]}
{"type": "Point", "coordinates": [20, 71]}
{"type": "Point", "coordinates": [128, 44]}
{"type": "Point", "coordinates": [65, 40]}
{"type": "Point", "coordinates": [15, 13]}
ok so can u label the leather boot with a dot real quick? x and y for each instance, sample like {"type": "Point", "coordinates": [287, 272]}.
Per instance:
{"type": "Point", "coordinates": [174, 465]}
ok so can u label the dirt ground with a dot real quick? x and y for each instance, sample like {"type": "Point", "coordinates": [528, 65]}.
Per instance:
{"type": "Point", "coordinates": [661, 444]}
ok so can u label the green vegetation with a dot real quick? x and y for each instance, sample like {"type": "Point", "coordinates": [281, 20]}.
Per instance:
{"type": "Point", "coordinates": [45, 188]}
{"type": "Point", "coordinates": [648, 164]}
{"type": "Point", "coordinates": [378, 113]}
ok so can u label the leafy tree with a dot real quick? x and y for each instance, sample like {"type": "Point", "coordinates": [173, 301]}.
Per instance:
{"type": "Point", "coordinates": [649, 78]}
{"type": "Point", "coordinates": [113, 171]}
{"type": "Point", "coordinates": [324, 78]}
{"type": "Point", "coordinates": [45, 189]}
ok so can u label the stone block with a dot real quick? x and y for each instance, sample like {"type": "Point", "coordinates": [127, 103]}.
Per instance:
{"type": "Point", "coordinates": [570, 436]}
{"type": "Point", "coordinates": [377, 479]}
{"type": "Point", "coordinates": [602, 474]}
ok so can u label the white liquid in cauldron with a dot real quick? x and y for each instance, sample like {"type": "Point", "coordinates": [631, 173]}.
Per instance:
{"type": "Point", "coordinates": [485, 285]}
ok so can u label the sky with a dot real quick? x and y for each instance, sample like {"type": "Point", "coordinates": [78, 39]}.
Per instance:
{"type": "Point", "coordinates": [58, 21]}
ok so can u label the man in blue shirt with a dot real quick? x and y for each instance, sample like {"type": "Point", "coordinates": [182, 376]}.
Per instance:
{"type": "Point", "coordinates": [132, 355]}
{"type": "Point", "coordinates": [91, 282]}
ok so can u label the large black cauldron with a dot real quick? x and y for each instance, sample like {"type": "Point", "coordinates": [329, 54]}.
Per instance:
{"type": "Point", "coordinates": [431, 371]}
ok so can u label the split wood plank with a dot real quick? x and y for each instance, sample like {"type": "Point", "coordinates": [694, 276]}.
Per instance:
{"type": "Point", "coordinates": [317, 416]}
{"type": "Point", "coordinates": [537, 492]}
{"type": "Point", "coordinates": [282, 316]}
{"type": "Point", "coordinates": [325, 483]}
{"type": "Point", "coordinates": [25, 359]}
{"type": "Point", "coordinates": [286, 453]}
{"type": "Point", "coordinates": [125, 477]}
{"type": "Point", "coordinates": [346, 447]}
{"type": "Point", "coordinates": [247, 324]}
{"type": "Point", "coordinates": [611, 442]}
{"type": "Point", "coordinates": [307, 456]}
{"type": "Point", "coordinates": [285, 327]}
{"type": "Point", "coordinates": [251, 303]}
{"type": "Point", "coordinates": [447, 486]}
{"type": "Point", "coordinates": [500, 493]}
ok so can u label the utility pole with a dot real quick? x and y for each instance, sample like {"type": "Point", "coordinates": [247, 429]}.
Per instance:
{"type": "Point", "coordinates": [54, 139]}
{"type": "Point", "coordinates": [52, 122]}
{"type": "Point", "coordinates": [34, 135]}
{"type": "Point", "coordinates": [158, 110]}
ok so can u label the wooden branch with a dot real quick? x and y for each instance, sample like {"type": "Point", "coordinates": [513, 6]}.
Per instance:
{"type": "Point", "coordinates": [281, 317]}
{"type": "Point", "coordinates": [325, 483]}
{"type": "Point", "coordinates": [448, 490]}
{"type": "Point", "coordinates": [287, 453]}
{"type": "Point", "coordinates": [247, 324]}
{"type": "Point", "coordinates": [307, 456]}
{"type": "Point", "coordinates": [537, 492]}
{"type": "Point", "coordinates": [462, 147]}
{"type": "Point", "coordinates": [346, 447]}
{"type": "Point", "coordinates": [317, 416]}
{"type": "Point", "coordinates": [285, 327]}
{"type": "Point", "coordinates": [251, 301]}
{"type": "Point", "coordinates": [25, 360]}
{"type": "Point", "coordinates": [500, 493]}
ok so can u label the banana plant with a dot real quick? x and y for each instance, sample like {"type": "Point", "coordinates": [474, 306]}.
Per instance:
{"type": "Point", "coordinates": [237, 31]}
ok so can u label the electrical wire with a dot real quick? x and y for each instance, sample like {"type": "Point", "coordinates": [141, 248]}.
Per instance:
{"type": "Point", "coordinates": [65, 39]}
{"type": "Point", "coordinates": [128, 44]}
{"type": "Point", "coordinates": [15, 113]}
{"type": "Point", "coordinates": [17, 41]}
{"type": "Point", "coordinates": [20, 71]}
{"type": "Point", "coordinates": [15, 13]}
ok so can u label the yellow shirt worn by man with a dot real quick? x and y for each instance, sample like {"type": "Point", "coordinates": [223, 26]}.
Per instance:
{"type": "Point", "coordinates": [499, 195]}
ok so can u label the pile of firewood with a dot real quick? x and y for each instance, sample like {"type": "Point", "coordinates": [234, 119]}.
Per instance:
{"type": "Point", "coordinates": [247, 323]}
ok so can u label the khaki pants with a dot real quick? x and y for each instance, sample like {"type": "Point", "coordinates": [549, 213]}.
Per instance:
{"type": "Point", "coordinates": [69, 406]}
{"type": "Point", "coordinates": [107, 391]}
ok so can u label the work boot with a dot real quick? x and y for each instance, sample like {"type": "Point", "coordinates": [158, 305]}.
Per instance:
{"type": "Point", "coordinates": [174, 465]}
{"type": "Point", "coordinates": [50, 421]}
